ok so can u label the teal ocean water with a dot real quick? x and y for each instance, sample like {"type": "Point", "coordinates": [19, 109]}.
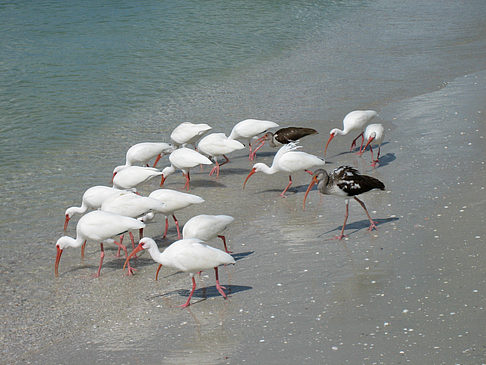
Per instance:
{"type": "Point", "coordinates": [82, 81]}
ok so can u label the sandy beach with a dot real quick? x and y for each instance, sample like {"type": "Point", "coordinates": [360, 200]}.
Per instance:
{"type": "Point", "coordinates": [412, 291]}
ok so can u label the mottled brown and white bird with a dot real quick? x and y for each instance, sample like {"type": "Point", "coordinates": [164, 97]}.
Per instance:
{"type": "Point", "coordinates": [285, 136]}
{"type": "Point", "coordinates": [346, 182]}
{"type": "Point", "coordinates": [353, 121]}
{"type": "Point", "coordinates": [188, 255]}
{"type": "Point", "coordinates": [374, 133]}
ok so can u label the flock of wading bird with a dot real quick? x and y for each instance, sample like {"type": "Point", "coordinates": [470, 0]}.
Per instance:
{"type": "Point", "coordinates": [119, 209]}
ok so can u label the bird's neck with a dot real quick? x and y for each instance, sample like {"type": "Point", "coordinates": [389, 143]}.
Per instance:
{"type": "Point", "coordinates": [77, 210]}
{"type": "Point", "coordinates": [157, 255]}
{"type": "Point", "coordinates": [267, 170]}
{"type": "Point", "coordinates": [71, 242]}
{"type": "Point", "coordinates": [169, 170]}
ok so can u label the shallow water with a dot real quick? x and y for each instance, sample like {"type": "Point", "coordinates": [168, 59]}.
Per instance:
{"type": "Point", "coordinates": [71, 113]}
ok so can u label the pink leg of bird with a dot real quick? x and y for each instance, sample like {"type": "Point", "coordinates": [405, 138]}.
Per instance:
{"type": "Point", "coordinates": [253, 154]}
{"type": "Point", "coordinates": [340, 237]}
{"type": "Point", "coordinates": [375, 162]}
{"type": "Point", "coordinates": [82, 250]}
{"type": "Point", "coordinates": [372, 223]}
{"type": "Point", "coordinates": [186, 185]}
{"type": "Point", "coordinates": [102, 255]}
{"type": "Point", "coordinates": [166, 226]}
{"type": "Point", "coordinates": [119, 249]}
{"type": "Point", "coordinates": [353, 144]}
{"type": "Point", "coordinates": [177, 226]}
{"type": "Point", "coordinates": [157, 159]}
{"type": "Point", "coordinates": [215, 168]}
{"type": "Point", "coordinates": [219, 287]}
{"type": "Point", "coordinates": [188, 303]}
{"type": "Point", "coordinates": [121, 246]}
{"type": "Point", "coordinates": [282, 194]}
{"type": "Point", "coordinates": [132, 239]}
{"type": "Point", "coordinates": [224, 242]}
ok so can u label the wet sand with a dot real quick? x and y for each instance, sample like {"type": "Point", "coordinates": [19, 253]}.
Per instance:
{"type": "Point", "coordinates": [411, 292]}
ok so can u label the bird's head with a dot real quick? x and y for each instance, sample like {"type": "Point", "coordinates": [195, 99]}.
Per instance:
{"type": "Point", "coordinates": [143, 244]}
{"type": "Point", "coordinates": [319, 175]}
{"type": "Point", "coordinates": [116, 170]}
{"type": "Point", "coordinates": [332, 133]}
{"type": "Point", "coordinates": [61, 244]}
{"type": "Point", "coordinates": [68, 215]}
{"type": "Point", "coordinates": [256, 168]}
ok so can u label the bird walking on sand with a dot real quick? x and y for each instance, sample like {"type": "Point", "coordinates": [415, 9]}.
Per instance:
{"type": "Point", "coordinates": [285, 136]}
{"type": "Point", "coordinates": [184, 159]}
{"type": "Point", "coordinates": [174, 201]}
{"type": "Point", "coordinates": [141, 153]}
{"type": "Point", "coordinates": [98, 226]}
{"type": "Point", "coordinates": [92, 199]}
{"type": "Point", "coordinates": [188, 133]}
{"type": "Point", "coordinates": [374, 133]}
{"type": "Point", "coordinates": [129, 177]}
{"type": "Point", "coordinates": [346, 182]}
{"type": "Point", "coordinates": [188, 255]}
{"type": "Point", "coordinates": [355, 120]}
{"type": "Point", "coordinates": [247, 129]}
{"type": "Point", "coordinates": [215, 145]}
{"type": "Point", "coordinates": [287, 159]}
{"type": "Point", "coordinates": [206, 227]}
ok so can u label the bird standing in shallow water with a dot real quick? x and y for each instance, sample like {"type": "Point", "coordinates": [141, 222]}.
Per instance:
{"type": "Point", "coordinates": [355, 120]}
{"type": "Point", "coordinates": [287, 159]}
{"type": "Point", "coordinates": [346, 182]}
{"type": "Point", "coordinates": [189, 255]}
{"type": "Point", "coordinates": [374, 133]}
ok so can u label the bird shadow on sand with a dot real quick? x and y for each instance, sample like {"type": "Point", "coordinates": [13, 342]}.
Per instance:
{"type": "Point", "coordinates": [386, 159]}
{"type": "Point", "coordinates": [241, 255]}
{"type": "Point", "coordinates": [359, 225]}
{"type": "Point", "coordinates": [356, 150]}
{"type": "Point", "coordinates": [204, 293]}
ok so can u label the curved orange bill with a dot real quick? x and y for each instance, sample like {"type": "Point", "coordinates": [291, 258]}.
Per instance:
{"type": "Point", "coordinates": [134, 252]}
{"type": "Point", "coordinates": [66, 222]}
{"type": "Point", "coordinates": [113, 177]}
{"type": "Point", "coordinates": [162, 180]}
{"type": "Point", "coordinates": [263, 138]}
{"type": "Point", "coordinates": [58, 258]}
{"type": "Point", "coordinates": [157, 273]}
{"type": "Point", "coordinates": [327, 144]}
{"type": "Point", "coordinates": [253, 170]}
{"type": "Point", "coordinates": [312, 183]}
{"type": "Point", "coordinates": [369, 141]}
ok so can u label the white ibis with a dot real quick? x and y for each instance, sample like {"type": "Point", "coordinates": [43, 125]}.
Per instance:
{"type": "Point", "coordinates": [374, 133]}
{"type": "Point", "coordinates": [92, 199]}
{"type": "Point", "coordinates": [215, 145]}
{"type": "Point", "coordinates": [133, 206]}
{"type": "Point", "coordinates": [346, 182]}
{"type": "Point", "coordinates": [141, 153]}
{"type": "Point", "coordinates": [206, 227]}
{"type": "Point", "coordinates": [250, 128]}
{"type": "Point", "coordinates": [188, 255]}
{"type": "Point", "coordinates": [174, 201]}
{"type": "Point", "coordinates": [188, 133]}
{"type": "Point", "coordinates": [184, 159]}
{"type": "Point", "coordinates": [287, 159]}
{"type": "Point", "coordinates": [131, 176]}
{"type": "Point", "coordinates": [353, 121]}
{"type": "Point", "coordinates": [98, 226]}
{"type": "Point", "coordinates": [286, 135]}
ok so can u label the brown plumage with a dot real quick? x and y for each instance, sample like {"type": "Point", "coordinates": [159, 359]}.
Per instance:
{"type": "Point", "coordinates": [346, 182]}
{"type": "Point", "coordinates": [287, 135]}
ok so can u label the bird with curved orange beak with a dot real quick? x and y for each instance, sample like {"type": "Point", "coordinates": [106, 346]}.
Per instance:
{"type": "Point", "coordinates": [97, 226]}
{"type": "Point", "coordinates": [345, 182]}
{"type": "Point", "coordinates": [355, 120]}
{"type": "Point", "coordinates": [189, 255]}
{"type": "Point", "coordinates": [287, 159]}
